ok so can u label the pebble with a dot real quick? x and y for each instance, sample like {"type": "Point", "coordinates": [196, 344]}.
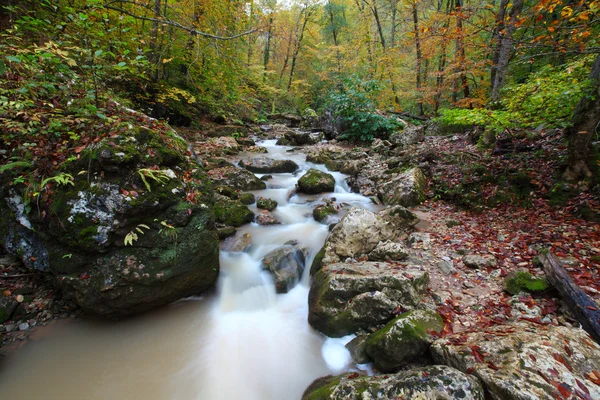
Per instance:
{"type": "Point", "coordinates": [24, 326]}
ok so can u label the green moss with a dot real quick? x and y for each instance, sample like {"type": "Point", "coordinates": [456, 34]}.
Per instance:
{"type": "Point", "coordinates": [232, 213]}
{"type": "Point", "coordinates": [321, 212]}
{"type": "Point", "coordinates": [266, 204]}
{"type": "Point", "coordinates": [322, 389]}
{"type": "Point", "coordinates": [318, 261]}
{"type": "Point", "coordinates": [523, 281]}
{"type": "Point", "coordinates": [247, 198]}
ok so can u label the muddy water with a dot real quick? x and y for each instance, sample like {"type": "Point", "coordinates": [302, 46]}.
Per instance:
{"type": "Point", "coordinates": [241, 342]}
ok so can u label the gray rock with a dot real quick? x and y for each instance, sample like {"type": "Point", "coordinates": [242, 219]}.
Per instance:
{"type": "Point", "coordinates": [24, 326]}
{"type": "Point", "coordinates": [267, 165]}
{"type": "Point", "coordinates": [264, 217]}
{"type": "Point", "coordinates": [388, 251]}
{"type": "Point", "coordinates": [8, 304]}
{"type": "Point", "coordinates": [437, 382]}
{"type": "Point", "coordinates": [403, 339]}
{"type": "Point", "coordinates": [410, 135]}
{"type": "Point", "coordinates": [357, 349]}
{"type": "Point", "coordinates": [286, 264]}
{"type": "Point", "coordinates": [525, 361]}
{"type": "Point", "coordinates": [10, 327]}
{"type": "Point", "coordinates": [345, 298]}
{"type": "Point", "coordinates": [478, 262]}
{"type": "Point", "coordinates": [419, 237]}
{"type": "Point", "coordinates": [235, 178]}
{"type": "Point", "coordinates": [315, 181]}
{"type": "Point", "coordinates": [446, 266]}
{"type": "Point", "coordinates": [406, 189]}
{"type": "Point", "coordinates": [238, 243]}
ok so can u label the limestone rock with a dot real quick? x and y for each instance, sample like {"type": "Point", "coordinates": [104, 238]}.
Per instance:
{"type": "Point", "coordinates": [478, 262]}
{"type": "Point", "coordinates": [410, 135]}
{"type": "Point", "coordinates": [235, 178]}
{"type": "Point", "coordinates": [315, 181]}
{"type": "Point", "coordinates": [437, 382]}
{"type": "Point", "coordinates": [403, 339]}
{"type": "Point", "coordinates": [267, 165]}
{"type": "Point", "coordinates": [526, 361]}
{"type": "Point", "coordinates": [345, 298]}
{"type": "Point", "coordinates": [388, 251]}
{"type": "Point", "coordinates": [407, 189]}
{"type": "Point", "coordinates": [266, 204]}
{"type": "Point", "coordinates": [286, 264]}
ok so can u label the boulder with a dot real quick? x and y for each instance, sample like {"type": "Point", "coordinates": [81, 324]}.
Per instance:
{"type": "Point", "coordinates": [286, 264]}
{"type": "Point", "coordinates": [128, 239]}
{"type": "Point", "coordinates": [257, 150]}
{"type": "Point", "coordinates": [403, 339]}
{"type": "Point", "coordinates": [245, 141]}
{"type": "Point", "coordinates": [267, 165]}
{"type": "Point", "coordinates": [322, 211]}
{"type": "Point", "coordinates": [526, 361]}
{"type": "Point", "coordinates": [360, 231]}
{"type": "Point", "coordinates": [235, 178]}
{"type": "Point", "coordinates": [406, 189]}
{"type": "Point", "coordinates": [264, 217]}
{"type": "Point", "coordinates": [266, 204]}
{"type": "Point", "coordinates": [8, 305]}
{"type": "Point", "coordinates": [247, 198]}
{"type": "Point", "coordinates": [232, 212]}
{"type": "Point", "coordinates": [345, 298]}
{"type": "Point", "coordinates": [299, 138]}
{"type": "Point", "coordinates": [388, 251]}
{"type": "Point", "coordinates": [315, 181]}
{"type": "Point", "coordinates": [228, 145]}
{"type": "Point", "coordinates": [479, 262]}
{"type": "Point", "coordinates": [427, 383]}
{"type": "Point", "coordinates": [238, 243]}
{"type": "Point", "coordinates": [410, 135]}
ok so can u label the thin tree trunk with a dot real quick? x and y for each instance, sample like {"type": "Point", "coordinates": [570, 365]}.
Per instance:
{"type": "Point", "coordinates": [267, 53]}
{"type": "Point", "coordinates": [460, 52]}
{"type": "Point", "coordinates": [419, 56]}
{"type": "Point", "coordinates": [154, 40]}
{"type": "Point", "coordinates": [497, 38]}
{"type": "Point", "coordinates": [307, 12]}
{"type": "Point", "coordinates": [506, 47]}
{"type": "Point", "coordinates": [394, 4]}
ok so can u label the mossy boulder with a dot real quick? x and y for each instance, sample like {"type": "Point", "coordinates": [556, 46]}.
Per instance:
{"type": "Point", "coordinates": [235, 178]}
{"type": "Point", "coordinates": [403, 340]}
{"type": "Point", "coordinates": [322, 211]}
{"type": "Point", "coordinates": [434, 382]}
{"type": "Point", "coordinates": [315, 181]}
{"type": "Point", "coordinates": [347, 297]}
{"type": "Point", "coordinates": [232, 212]}
{"type": "Point", "coordinates": [267, 165]}
{"type": "Point", "coordinates": [266, 204]}
{"type": "Point", "coordinates": [133, 233]}
{"type": "Point", "coordinates": [523, 282]}
{"type": "Point", "coordinates": [247, 198]}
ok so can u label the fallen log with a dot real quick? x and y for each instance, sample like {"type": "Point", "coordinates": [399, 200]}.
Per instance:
{"type": "Point", "coordinates": [583, 307]}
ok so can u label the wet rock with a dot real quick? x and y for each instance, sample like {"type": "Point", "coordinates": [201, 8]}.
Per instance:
{"type": "Point", "coordinates": [232, 212]}
{"type": "Point", "coordinates": [360, 231]}
{"type": "Point", "coordinates": [403, 339]}
{"type": "Point", "coordinates": [526, 361]}
{"type": "Point", "coordinates": [134, 182]}
{"type": "Point", "coordinates": [226, 232]}
{"type": "Point", "coordinates": [267, 165]}
{"type": "Point", "coordinates": [8, 304]}
{"type": "Point", "coordinates": [266, 177]}
{"type": "Point", "coordinates": [388, 251]}
{"type": "Point", "coordinates": [257, 150]}
{"type": "Point", "coordinates": [435, 382]}
{"type": "Point", "coordinates": [345, 298]}
{"type": "Point", "coordinates": [239, 243]}
{"type": "Point", "coordinates": [245, 141]}
{"type": "Point", "coordinates": [406, 189]}
{"type": "Point", "coordinates": [322, 211]}
{"type": "Point", "coordinates": [479, 262]}
{"type": "Point", "coordinates": [293, 137]}
{"type": "Point", "coordinates": [315, 181]}
{"type": "Point", "coordinates": [286, 264]}
{"type": "Point", "coordinates": [410, 135]}
{"type": "Point", "coordinates": [235, 178]}
{"type": "Point", "coordinates": [266, 218]}
{"type": "Point", "coordinates": [266, 204]}
{"type": "Point", "coordinates": [357, 349]}
{"type": "Point", "coordinates": [247, 198]}
{"type": "Point", "coordinates": [227, 192]}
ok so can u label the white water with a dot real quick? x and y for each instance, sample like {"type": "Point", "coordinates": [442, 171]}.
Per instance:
{"type": "Point", "coordinates": [242, 342]}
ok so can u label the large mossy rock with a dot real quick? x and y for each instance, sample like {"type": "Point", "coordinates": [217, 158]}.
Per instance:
{"type": "Point", "coordinates": [232, 212]}
{"type": "Point", "coordinates": [526, 361]}
{"type": "Point", "coordinates": [345, 298]}
{"type": "Point", "coordinates": [267, 165]}
{"type": "Point", "coordinates": [360, 231]}
{"type": "Point", "coordinates": [286, 264]}
{"type": "Point", "coordinates": [403, 340]}
{"type": "Point", "coordinates": [437, 382]}
{"type": "Point", "coordinates": [407, 189]}
{"type": "Point", "coordinates": [235, 178]}
{"type": "Point", "coordinates": [315, 181]}
{"type": "Point", "coordinates": [134, 232]}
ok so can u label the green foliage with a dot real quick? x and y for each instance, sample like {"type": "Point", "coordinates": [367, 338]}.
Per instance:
{"type": "Point", "coordinates": [356, 107]}
{"type": "Point", "coordinates": [492, 119]}
{"type": "Point", "coordinates": [132, 236]}
{"type": "Point", "coordinates": [158, 176]}
{"type": "Point", "coordinates": [523, 281]}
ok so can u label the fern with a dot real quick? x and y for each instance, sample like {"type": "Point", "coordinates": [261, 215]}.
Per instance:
{"type": "Point", "coordinates": [159, 176]}
{"type": "Point", "coordinates": [12, 165]}
{"type": "Point", "coordinates": [132, 236]}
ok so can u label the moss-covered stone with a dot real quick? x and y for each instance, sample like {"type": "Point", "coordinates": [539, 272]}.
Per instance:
{"type": "Point", "coordinates": [315, 181]}
{"type": "Point", "coordinates": [317, 261]}
{"type": "Point", "coordinates": [266, 204]}
{"type": "Point", "coordinates": [522, 281]}
{"type": "Point", "coordinates": [232, 212]}
{"type": "Point", "coordinates": [322, 211]}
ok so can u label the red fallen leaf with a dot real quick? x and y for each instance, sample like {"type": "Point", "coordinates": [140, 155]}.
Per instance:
{"type": "Point", "coordinates": [32, 258]}
{"type": "Point", "coordinates": [583, 395]}
{"type": "Point", "coordinates": [565, 390]}
{"type": "Point", "coordinates": [353, 376]}
{"type": "Point", "coordinates": [79, 149]}
{"type": "Point", "coordinates": [591, 308]}
{"type": "Point", "coordinates": [493, 366]}
{"type": "Point", "coordinates": [470, 370]}
{"type": "Point", "coordinates": [592, 376]}
{"type": "Point", "coordinates": [124, 192]}
{"type": "Point", "coordinates": [568, 350]}
{"type": "Point", "coordinates": [532, 357]}
{"type": "Point", "coordinates": [425, 373]}
{"type": "Point", "coordinates": [189, 211]}
{"type": "Point", "coordinates": [84, 275]}
{"type": "Point", "coordinates": [133, 193]}
{"type": "Point", "coordinates": [561, 360]}
{"type": "Point", "coordinates": [476, 351]}
{"type": "Point", "coordinates": [582, 386]}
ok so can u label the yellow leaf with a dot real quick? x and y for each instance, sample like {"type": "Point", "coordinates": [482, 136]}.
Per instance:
{"type": "Point", "coordinates": [71, 62]}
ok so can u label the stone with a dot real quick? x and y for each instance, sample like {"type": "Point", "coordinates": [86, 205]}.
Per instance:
{"type": "Point", "coordinates": [245, 141]}
{"type": "Point", "coordinates": [267, 165]}
{"type": "Point", "coordinates": [388, 251]}
{"type": "Point", "coordinates": [286, 265]}
{"type": "Point", "coordinates": [24, 326]}
{"type": "Point", "coordinates": [8, 304]}
{"type": "Point", "coordinates": [239, 243]}
{"type": "Point", "coordinates": [410, 135]}
{"type": "Point", "coordinates": [446, 266]}
{"type": "Point", "coordinates": [113, 269]}
{"type": "Point", "coordinates": [264, 217]}
{"type": "Point", "coordinates": [232, 212]}
{"type": "Point", "coordinates": [406, 189]}
{"type": "Point", "coordinates": [526, 361]}
{"type": "Point", "coordinates": [266, 204]}
{"type": "Point", "coordinates": [323, 211]}
{"type": "Point", "coordinates": [437, 382]}
{"type": "Point", "coordinates": [479, 262]}
{"type": "Point", "coordinates": [247, 198]}
{"type": "Point", "coordinates": [523, 282]}
{"type": "Point", "coordinates": [293, 137]}
{"type": "Point", "coordinates": [419, 238]}
{"type": "Point", "coordinates": [357, 349]}
{"type": "Point", "coordinates": [227, 144]}
{"type": "Point", "coordinates": [235, 178]}
{"type": "Point", "coordinates": [347, 297]}
{"type": "Point", "coordinates": [315, 181]}
{"type": "Point", "coordinates": [403, 340]}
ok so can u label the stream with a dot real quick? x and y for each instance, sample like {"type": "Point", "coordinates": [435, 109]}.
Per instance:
{"type": "Point", "coordinates": [241, 341]}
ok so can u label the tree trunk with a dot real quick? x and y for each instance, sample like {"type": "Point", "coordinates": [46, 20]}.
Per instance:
{"type": "Point", "coordinates": [267, 53]}
{"type": "Point", "coordinates": [497, 38]}
{"type": "Point", "coordinates": [507, 44]}
{"type": "Point", "coordinates": [460, 52]}
{"type": "Point", "coordinates": [586, 124]}
{"type": "Point", "coordinates": [155, 56]}
{"type": "Point", "coordinates": [419, 56]}
{"type": "Point", "coordinates": [583, 307]}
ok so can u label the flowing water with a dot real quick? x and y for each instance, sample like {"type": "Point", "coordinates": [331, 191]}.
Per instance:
{"type": "Point", "coordinates": [241, 342]}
